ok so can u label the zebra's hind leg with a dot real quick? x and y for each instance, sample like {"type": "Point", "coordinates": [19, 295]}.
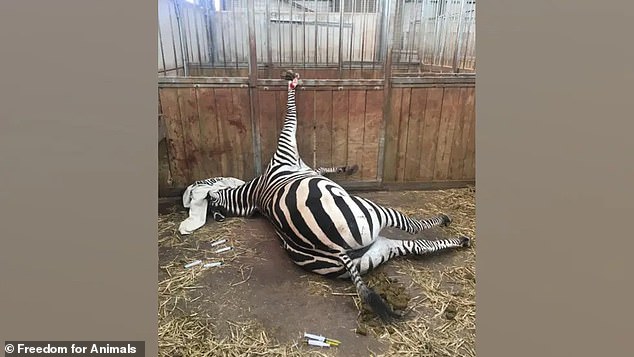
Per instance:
{"type": "Point", "coordinates": [390, 217]}
{"type": "Point", "coordinates": [367, 295]}
{"type": "Point", "coordinates": [348, 170]}
{"type": "Point", "coordinates": [384, 249]}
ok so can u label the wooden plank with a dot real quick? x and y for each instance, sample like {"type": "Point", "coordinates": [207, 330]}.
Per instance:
{"type": "Point", "coordinates": [433, 112]}
{"type": "Point", "coordinates": [268, 118]}
{"type": "Point", "coordinates": [305, 101]}
{"type": "Point", "coordinates": [415, 135]}
{"type": "Point", "coordinates": [448, 120]}
{"type": "Point", "coordinates": [225, 110]}
{"type": "Point", "coordinates": [403, 131]}
{"type": "Point", "coordinates": [242, 134]}
{"type": "Point", "coordinates": [188, 104]}
{"type": "Point", "coordinates": [356, 126]}
{"type": "Point", "coordinates": [391, 135]}
{"type": "Point", "coordinates": [174, 134]}
{"type": "Point", "coordinates": [456, 161]}
{"type": "Point", "coordinates": [211, 140]}
{"type": "Point", "coordinates": [468, 136]}
{"type": "Point", "coordinates": [323, 128]}
{"type": "Point", "coordinates": [340, 128]}
{"type": "Point", "coordinates": [373, 117]}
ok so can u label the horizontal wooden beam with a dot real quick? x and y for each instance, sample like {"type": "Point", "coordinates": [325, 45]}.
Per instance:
{"type": "Point", "coordinates": [330, 84]}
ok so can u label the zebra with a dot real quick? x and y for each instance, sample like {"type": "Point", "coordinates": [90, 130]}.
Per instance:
{"type": "Point", "coordinates": [322, 228]}
{"type": "Point", "coordinates": [218, 216]}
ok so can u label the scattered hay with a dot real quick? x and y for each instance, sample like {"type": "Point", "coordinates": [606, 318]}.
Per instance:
{"type": "Point", "coordinates": [441, 320]}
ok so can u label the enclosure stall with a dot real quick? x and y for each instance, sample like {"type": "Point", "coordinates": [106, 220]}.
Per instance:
{"type": "Point", "coordinates": [385, 85]}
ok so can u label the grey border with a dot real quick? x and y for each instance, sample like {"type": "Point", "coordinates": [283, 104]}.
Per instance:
{"type": "Point", "coordinates": [554, 178]}
{"type": "Point", "coordinates": [78, 176]}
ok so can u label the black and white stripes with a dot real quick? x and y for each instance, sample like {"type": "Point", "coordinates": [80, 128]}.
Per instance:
{"type": "Point", "coordinates": [324, 229]}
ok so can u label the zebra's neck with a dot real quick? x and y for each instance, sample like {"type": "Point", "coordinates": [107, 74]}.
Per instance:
{"type": "Point", "coordinates": [242, 200]}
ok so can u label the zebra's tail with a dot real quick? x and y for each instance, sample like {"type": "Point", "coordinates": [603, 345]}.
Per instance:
{"type": "Point", "coordinates": [367, 295]}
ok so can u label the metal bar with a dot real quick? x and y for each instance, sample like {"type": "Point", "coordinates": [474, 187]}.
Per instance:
{"type": "Point", "coordinates": [172, 34]}
{"type": "Point", "coordinates": [161, 44]}
{"type": "Point", "coordinates": [351, 35]}
{"type": "Point", "coordinates": [291, 30]}
{"type": "Point", "coordinates": [423, 29]}
{"type": "Point", "coordinates": [316, 32]}
{"type": "Point", "coordinates": [419, 10]}
{"type": "Point", "coordinates": [182, 39]}
{"type": "Point", "coordinates": [364, 6]}
{"type": "Point", "coordinates": [188, 34]}
{"type": "Point", "coordinates": [235, 35]}
{"type": "Point", "coordinates": [304, 37]}
{"type": "Point", "coordinates": [340, 38]}
{"type": "Point", "coordinates": [459, 31]}
{"type": "Point", "coordinates": [210, 40]}
{"type": "Point", "coordinates": [279, 30]}
{"type": "Point", "coordinates": [387, 78]}
{"type": "Point", "coordinates": [222, 37]}
{"type": "Point", "coordinates": [200, 60]}
{"type": "Point", "coordinates": [253, 94]}
{"type": "Point", "coordinates": [467, 43]}
{"type": "Point", "coordinates": [327, 39]}
{"type": "Point", "coordinates": [269, 45]}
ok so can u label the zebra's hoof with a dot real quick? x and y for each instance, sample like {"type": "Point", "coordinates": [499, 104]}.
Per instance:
{"type": "Point", "coordinates": [351, 170]}
{"type": "Point", "coordinates": [465, 242]}
{"type": "Point", "coordinates": [446, 220]}
{"type": "Point", "coordinates": [288, 75]}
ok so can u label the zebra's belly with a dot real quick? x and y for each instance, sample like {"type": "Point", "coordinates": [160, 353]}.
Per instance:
{"type": "Point", "coordinates": [316, 214]}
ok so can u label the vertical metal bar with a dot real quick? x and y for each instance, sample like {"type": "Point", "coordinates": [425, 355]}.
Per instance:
{"type": "Point", "coordinates": [458, 37]}
{"type": "Point", "coordinates": [340, 38]}
{"type": "Point", "coordinates": [327, 38]}
{"type": "Point", "coordinates": [188, 34]}
{"type": "Point", "coordinates": [436, 33]}
{"type": "Point", "coordinates": [418, 19]}
{"type": "Point", "coordinates": [222, 36]}
{"type": "Point", "coordinates": [269, 45]}
{"type": "Point", "coordinates": [162, 51]}
{"type": "Point", "coordinates": [209, 42]}
{"type": "Point", "coordinates": [182, 39]}
{"type": "Point", "coordinates": [253, 93]}
{"type": "Point", "coordinates": [351, 36]}
{"type": "Point", "coordinates": [200, 60]}
{"type": "Point", "coordinates": [316, 33]}
{"type": "Point", "coordinates": [364, 12]}
{"type": "Point", "coordinates": [423, 30]}
{"type": "Point", "coordinates": [235, 34]}
{"type": "Point", "coordinates": [304, 38]}
{"type": "Point", "coordinates": [173, 39]}
{"type": "Point", "coordinates": [390, 22]}
{"type": "Point", "coordinates": [279, 28]}
{"type": "Point", "coordinates": [291, 30]}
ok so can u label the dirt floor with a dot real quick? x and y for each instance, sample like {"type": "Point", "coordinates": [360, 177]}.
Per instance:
{"type": "Point", "coordinates": [259, 303]}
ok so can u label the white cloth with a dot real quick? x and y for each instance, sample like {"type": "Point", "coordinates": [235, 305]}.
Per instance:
{"type": "Point", "coordinates": [195, 198]}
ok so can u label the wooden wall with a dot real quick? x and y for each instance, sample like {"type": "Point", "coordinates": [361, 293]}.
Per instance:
{"type": "Point", "coordinates": [425, 134]}
{"type": "Point", "coordinates": [431, 135]}
{"type": "Point", "coordinates": [208, 133]}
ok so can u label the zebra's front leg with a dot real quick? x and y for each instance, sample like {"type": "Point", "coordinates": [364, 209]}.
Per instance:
{"type": "Point", "coordinates": [367, 295]}
{"type": "Point", "coordinates": [384, 249]}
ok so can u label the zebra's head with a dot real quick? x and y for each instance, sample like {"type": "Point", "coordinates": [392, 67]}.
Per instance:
{"type": "Point", "coordinates": [215, 206]}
